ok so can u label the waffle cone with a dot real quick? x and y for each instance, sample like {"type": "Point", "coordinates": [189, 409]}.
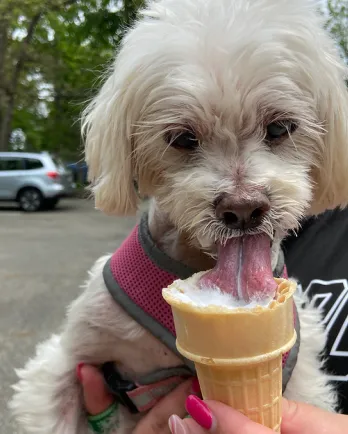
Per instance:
{"type": "Point", "coordinates": [238, 352]}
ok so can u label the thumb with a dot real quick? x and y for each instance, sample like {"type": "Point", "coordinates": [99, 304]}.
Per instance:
{"type": "Point", "coordinates": [96, 397]}
{"type": "Point", "coordinates": [307, 419]}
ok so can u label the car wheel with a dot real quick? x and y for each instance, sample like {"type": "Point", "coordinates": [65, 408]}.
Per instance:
{"type": "Point", "coordinates": [30, 200]}
{"type": "Point", "coordinates": [51, 203]}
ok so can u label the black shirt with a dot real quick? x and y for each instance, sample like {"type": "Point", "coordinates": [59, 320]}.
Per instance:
{"type": "Point", "coordinates": [318, 258]}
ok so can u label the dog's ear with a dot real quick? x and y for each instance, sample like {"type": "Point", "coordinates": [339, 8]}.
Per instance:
{"type": "Point", "coordinates": [107, 129]}
{"type": "Point", "coordinates": [331, 174]}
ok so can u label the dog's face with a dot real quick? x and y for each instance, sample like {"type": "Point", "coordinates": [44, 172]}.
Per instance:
{"type": "Point", "coordinates": [232, 114]}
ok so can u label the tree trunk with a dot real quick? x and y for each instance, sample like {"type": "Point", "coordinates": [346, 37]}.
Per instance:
{"type": "Point", "coordinates": [8, 93]}
{"type": "Point", "coordinates": [6, 123]}
{"type": "Point", "coordinates": [7, 116]}
{"type": "Point", "coordinates": [3, 88]}
{"type": "Point", "coordinates": [3, 48]}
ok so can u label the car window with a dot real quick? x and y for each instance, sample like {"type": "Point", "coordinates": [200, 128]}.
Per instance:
{"type": "Point", "coordinates": [58, 162]}
{"type": "Point", "coordinates": [31, 164]}
{"type": "Point", "coordinates": [11, 163]}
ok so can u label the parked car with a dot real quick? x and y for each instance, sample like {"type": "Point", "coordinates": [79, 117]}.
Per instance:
{"type": "Point", "coordinates": [34, 180]}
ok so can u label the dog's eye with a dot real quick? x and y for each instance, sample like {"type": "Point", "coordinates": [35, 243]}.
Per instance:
{"type": "Point", "coordinates": [184, 140]}
{"type": "Point", "coordinates": [278, 130]}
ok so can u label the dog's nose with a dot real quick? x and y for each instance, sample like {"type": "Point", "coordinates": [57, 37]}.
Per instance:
{"type": "Point", "coordinates": [245, 214]}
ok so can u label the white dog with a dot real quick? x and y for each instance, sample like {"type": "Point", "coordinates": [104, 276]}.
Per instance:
{"type": "Point", "coordinates": [233, 116]}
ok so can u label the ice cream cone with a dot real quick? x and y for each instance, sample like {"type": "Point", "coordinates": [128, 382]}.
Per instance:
{"type": "Point", "coordinates": [238, 352]}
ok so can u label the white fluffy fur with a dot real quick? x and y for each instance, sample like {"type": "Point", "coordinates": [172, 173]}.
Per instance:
{"type": "Point", "coordinates": [224, 69]}
{"type": "Point", "coordinates": [305, 385]}
{"type": "Point", "coordinates": [48, 396]}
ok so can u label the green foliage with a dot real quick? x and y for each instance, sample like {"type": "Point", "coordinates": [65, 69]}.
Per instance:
{"type": "Point", "coordinates": [53, 52]}
{"type": "Point", "coordinates": [338, 24]}
{"type": "Point", "coordinates": [72, 43]}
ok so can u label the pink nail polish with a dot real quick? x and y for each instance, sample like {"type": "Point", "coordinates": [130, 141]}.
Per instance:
{"type": "Point", "coordinates": [176, 425]}
{"type": "Point", "coordinates": [199, 411]}
{"type": "Point", "coordinates": [78, 371]}
{"type": "Point", "coordinates": [196, 388]}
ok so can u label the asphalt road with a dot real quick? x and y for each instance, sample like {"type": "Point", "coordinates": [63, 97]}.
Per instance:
{"type": "Point", "coordinates": [44, 258]}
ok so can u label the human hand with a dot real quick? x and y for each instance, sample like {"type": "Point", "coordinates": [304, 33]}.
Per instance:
{"type": "Point", "coordinates": [97, 401]}
{"type": "Point", "coordinates": [214, 417]}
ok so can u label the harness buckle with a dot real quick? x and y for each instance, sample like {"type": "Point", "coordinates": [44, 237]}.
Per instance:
{"type": "Point", "coordinates": [118, 386]}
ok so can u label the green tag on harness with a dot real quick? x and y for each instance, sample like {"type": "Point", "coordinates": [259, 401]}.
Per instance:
{"type": "Point", "coordinates": [105, 422]}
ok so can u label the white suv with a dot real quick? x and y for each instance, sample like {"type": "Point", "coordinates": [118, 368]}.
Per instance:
{"type": "Point", "coordinates": [34, 180]}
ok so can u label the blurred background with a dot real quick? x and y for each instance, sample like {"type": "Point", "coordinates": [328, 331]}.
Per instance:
{"type": "Point", "coordinates": [52, 56]}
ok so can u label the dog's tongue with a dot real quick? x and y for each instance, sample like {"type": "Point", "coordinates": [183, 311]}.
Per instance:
{"type": "Point", "coordinates": [243, 269]}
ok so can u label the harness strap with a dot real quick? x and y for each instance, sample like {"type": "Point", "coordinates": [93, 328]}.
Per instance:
{"type": "Point", "coordinates": [146, 397]}
{"type": "Point", "coordinates": [143, 394]}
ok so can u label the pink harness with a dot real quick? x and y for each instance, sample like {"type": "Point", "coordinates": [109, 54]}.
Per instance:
{"type": "Point", "coordinates": [135, 276]}
{"type": "Point", "coordinates": [143, 280]}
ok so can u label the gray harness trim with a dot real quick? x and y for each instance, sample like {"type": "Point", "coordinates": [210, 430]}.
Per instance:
{"type": "Point", "coordinates": [163, 374]}
{"type": "Point", "coordinates": [161, 259]}
{"type": "Point", "coordinates": [164, 262]}
{"type": "Point", "coordinates": [141, 317]}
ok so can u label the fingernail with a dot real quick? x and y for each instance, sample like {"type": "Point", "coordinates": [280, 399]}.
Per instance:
{"type": "Point", "coordinates": [78, 371]}
{"type": "Point", "coordinates": [199, 411]}
{"type": "Point", "coordinates": [195, 387]}
{"type": "Point", "coordinates": [176, 425]}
